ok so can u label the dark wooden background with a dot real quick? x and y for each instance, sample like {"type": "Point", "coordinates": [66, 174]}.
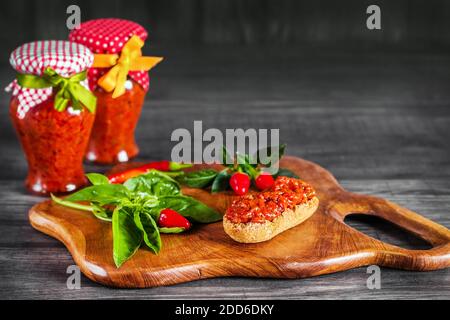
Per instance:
{"type": "Point", "coordinates": [373, 107]}
{"type": "Point", "coordinates": [412, 23]}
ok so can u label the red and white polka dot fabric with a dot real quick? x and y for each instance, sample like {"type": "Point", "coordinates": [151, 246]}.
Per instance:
{"type": "Point", "coordinates": [109, 36]}
{"type": "Point", "coordinates": [66, 58]}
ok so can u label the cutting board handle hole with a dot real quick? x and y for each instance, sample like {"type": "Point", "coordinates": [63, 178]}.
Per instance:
{"type": "Point", "coordinates": [386, 231]}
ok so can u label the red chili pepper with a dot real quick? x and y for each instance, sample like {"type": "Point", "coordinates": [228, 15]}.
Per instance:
{"type": "Point", "coordinates": [169, 218]}
{"type": "Point", "coordinates": [240, 183]}
{"type": "Point", "coordinates": [165, 165]}
{"type": "Point", "coordinates": [264, 181]}
{"type": "Point", "coordinates": [123, 176]}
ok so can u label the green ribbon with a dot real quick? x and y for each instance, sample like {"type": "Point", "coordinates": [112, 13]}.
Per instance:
{"type": "Point", "coordinates": [67, 89]}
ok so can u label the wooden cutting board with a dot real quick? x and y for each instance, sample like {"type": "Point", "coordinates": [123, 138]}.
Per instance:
{"type": "Point", "coordinates": [322, 244]}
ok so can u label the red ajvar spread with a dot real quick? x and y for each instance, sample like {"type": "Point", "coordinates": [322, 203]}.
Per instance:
{"type": "Point", "coordinates": [54, 144]}
{"type": "Point", "coordinates": [112, 139]}
{"type": "Point", "coordinates": [285, 194]}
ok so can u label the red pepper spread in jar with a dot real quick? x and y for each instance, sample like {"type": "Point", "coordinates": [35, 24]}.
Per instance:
{"type": "Point", "coordinates": [285, 194]}
{"type": "Point", "coordinates": [119, 78]}
{"type": "Point", "coordinates": [52, 111]}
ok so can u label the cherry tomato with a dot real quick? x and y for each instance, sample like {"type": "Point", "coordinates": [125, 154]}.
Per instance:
{"type": "Point", "coordinates": [240, 183]}
{"type": "Point", "coordinates": [264, 181]}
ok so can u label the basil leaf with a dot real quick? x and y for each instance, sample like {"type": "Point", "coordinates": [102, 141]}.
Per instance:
{"type": "Point", "coordinates": [221, 182]}
{"type": "Point", "coordinates": [97, 179]}
{"type": "Point", "coordinates": [250, 171]}
{"type": "Point", "coordinates": [246, 160]}
{"type": "Point", "coordinates": [285, 173]}
{"type": "Point", "coordinates": [245, 165]}
{"type": "Point", "coordinates": [227, 160]}
{"type": "Point", "coordinates": [171, 230]}
{"type": "Point", "coordinates": [70, 204]}
{"type": "Point", "coordinates": [101, 213]}
{"type": "Point", "coordinates": [190, 208]}
{"type": "Point", "coordinates": [98, 211]}
{"type": "Point", "coordinates": [147, 225]}
{"type": "Point", "coordinates": [127, 237]}
{"type": "Point", "coordinates": [174, 174]}
{"type": "Point", "coordinates": [264, 156]}
{"type": "Point", "coordinates": [153, 183]}
{"type": "Point", "coordinates": [101, 194]}
{"type": "Point", "coordinates": [199, 179]}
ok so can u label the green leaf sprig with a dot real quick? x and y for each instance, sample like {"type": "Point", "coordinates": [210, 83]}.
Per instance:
{"type": "Point", "coordinates": [133, 208]}
{"type": "Point", "coordinates": [198, 179]}
{"type": "Point", "coordinates": [252, 165]}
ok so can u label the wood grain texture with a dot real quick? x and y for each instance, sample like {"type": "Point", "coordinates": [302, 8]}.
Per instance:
{"type": "Point", "coordinates": [318, 23]}
{"type": "Point", "coordinates": [322, 244]}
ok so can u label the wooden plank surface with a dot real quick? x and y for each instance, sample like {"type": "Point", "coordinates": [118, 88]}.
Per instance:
{"type": "Point", "coordinates": [301, 252]}
{"type": "Point", "coordinates": [378, 122]}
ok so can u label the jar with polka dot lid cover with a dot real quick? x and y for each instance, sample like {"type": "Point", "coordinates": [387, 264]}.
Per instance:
{"type": "Point", "coordinates": [52, 110]}
{"type": "Point", "coordinates": [119, 78]}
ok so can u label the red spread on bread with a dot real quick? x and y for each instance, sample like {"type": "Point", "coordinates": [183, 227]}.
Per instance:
{"type": "Point", "coordinates": [285, 194]}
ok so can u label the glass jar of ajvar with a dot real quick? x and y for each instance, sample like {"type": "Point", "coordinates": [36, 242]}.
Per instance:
{"type": "Point", "coordinates": [54, 141]}
{"type": "Point", "coordinates": [112, 139]}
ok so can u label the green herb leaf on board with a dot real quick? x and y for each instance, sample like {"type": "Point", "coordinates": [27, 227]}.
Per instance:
{"type": "Point", "coordinates": [127, 237]}
{"type": "Point", "coordinates": [199, 179]}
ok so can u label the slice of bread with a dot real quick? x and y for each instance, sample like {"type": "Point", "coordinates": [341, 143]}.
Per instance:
{"type": "Point", "coordinates": [253, 232]}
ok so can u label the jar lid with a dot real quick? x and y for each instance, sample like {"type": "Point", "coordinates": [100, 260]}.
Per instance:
{"type": "Point", "coordinates": [107, 35]}
{"type": "Point", "coordinates": [64, 57]}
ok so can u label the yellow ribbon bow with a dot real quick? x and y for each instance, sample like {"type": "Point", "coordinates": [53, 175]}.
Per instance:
{"type": "Point", "coordinates": [130, 59]}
